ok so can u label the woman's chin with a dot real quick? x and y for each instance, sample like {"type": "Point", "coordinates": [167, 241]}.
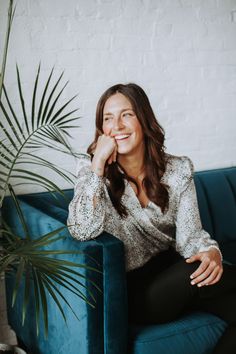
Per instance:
{"type": "Point", "coordinates": [122, 150]}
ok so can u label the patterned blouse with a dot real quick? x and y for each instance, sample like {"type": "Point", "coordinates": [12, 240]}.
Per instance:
{"type": "Point", "coordinates": [145, 231]}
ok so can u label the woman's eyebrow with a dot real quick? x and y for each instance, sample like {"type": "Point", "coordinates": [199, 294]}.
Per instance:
{"type": "Point", "coordinates": [123, 110]}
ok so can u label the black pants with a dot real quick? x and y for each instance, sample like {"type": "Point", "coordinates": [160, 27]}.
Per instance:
{"type": "Point", "coordinates": [160, 292]}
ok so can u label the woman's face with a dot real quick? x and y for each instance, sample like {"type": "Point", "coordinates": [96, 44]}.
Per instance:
{"type": "Point", "coordinates": [121, 122]}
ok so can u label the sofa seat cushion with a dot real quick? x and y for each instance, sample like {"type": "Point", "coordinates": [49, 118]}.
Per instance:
{"type": "Point", "coordinates": [196, 333]}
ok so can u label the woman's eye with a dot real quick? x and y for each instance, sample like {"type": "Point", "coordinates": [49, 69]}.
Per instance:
{"type": "Point", "coordinates": [127, 115]}
{"type": "Point", "coordinates": [106, 119]}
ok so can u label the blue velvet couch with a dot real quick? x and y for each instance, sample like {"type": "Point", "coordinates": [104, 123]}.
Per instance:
{"type": "Point", "coordinates": [105, 329]}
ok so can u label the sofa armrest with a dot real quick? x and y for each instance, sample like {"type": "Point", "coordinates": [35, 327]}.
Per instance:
{"type": "Point", "coordinates": [114, 295]}
{"type": "Point", "coordinates": [77, 336]}
{"type": "Point", "coordinates": [102, 330]}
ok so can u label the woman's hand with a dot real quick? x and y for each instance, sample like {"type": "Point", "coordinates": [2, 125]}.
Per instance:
{"type": "Point", "coordinates": [210, 270]}
{"type": "Point", "coordinates": [105, 151]}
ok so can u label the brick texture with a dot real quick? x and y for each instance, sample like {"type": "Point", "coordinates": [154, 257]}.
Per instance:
{"type": "Point", "coordinates": [182, 52]}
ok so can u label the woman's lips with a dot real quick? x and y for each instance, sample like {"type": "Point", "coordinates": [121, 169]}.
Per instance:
{"type": "Point", "coordinates": [121, 137]}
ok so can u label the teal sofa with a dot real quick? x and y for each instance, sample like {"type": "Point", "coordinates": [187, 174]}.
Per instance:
{"type": "Point", "coordinates": [105, 328]}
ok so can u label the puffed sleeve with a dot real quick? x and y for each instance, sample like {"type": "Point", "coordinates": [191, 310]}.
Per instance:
{"type": "Point", "coordinates": [190, 236]}
{"type": "Point", "coordinates": [87, 209]}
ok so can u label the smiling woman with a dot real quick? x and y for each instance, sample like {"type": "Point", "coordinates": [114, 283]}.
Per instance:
{"type": "Point", "coordinates": [129, 187]}
{"type": "Point", "coordinates": [121, 123]}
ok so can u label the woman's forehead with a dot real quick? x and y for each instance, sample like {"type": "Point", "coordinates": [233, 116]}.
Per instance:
{"type": "Point", "coordinates": [117, 102]}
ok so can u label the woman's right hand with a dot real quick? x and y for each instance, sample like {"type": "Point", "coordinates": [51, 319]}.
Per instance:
{"type": "Point", "coordinates": [105, 151]}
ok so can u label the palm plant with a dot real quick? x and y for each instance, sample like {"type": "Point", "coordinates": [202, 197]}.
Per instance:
{"type": "Point", "coordinates": [46, 126]}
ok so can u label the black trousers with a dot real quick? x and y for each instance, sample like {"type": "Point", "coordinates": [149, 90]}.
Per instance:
{"type": "Point", "coordinates": [160, 292]}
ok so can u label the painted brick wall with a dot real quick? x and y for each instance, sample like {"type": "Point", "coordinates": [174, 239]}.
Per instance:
{"type": "Point", "coordinates": [182, 52]}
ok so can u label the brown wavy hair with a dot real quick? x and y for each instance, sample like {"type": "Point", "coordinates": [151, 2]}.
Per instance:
{"type": "Point", "coordinates": [154, 159]}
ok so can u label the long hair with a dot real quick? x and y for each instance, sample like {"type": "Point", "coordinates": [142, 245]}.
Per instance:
{"type": "Point", "coordinates": [154, 159]}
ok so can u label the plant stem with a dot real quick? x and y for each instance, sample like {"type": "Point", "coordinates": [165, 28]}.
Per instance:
{"type": "Point", "coordinates": [4, 60]}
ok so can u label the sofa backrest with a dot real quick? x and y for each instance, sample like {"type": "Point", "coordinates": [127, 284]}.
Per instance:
{"type": "Point", "coordinates": [216, 191]}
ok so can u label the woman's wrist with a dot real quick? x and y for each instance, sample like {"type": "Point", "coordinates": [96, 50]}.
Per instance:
{"type": "Point", "coordinates": [98, 166]}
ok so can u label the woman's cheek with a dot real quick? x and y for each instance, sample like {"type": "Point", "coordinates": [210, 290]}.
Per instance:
{"type": "Point", "coordinates": [106, 130]}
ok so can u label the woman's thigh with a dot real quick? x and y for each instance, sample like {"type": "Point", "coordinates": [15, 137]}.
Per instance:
{"type": "Point", "coordinates": [170, 293]}
{"type": "Point", "coordinates": [165, 295]}
{"type": "Point", "coordinates": [161, 291]}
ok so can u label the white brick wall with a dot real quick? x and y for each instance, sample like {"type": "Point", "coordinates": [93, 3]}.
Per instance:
{"type": "Point", "coordinates": [182, 52]}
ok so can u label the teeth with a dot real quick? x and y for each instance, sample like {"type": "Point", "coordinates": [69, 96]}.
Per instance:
{"type": "Point", "coordinates": [119, 137]}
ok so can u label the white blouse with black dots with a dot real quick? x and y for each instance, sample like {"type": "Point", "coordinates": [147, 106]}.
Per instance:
{"type": "Point", "coordinates": [145, 231]}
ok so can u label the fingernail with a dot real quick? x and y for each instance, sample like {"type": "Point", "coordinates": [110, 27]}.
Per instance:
{"type": "Point", "coordinates": [191, 276]}
{"type": "Point", "coordinates": [192, 282]}
{"type": "Point", "coordinates": [199, 285]}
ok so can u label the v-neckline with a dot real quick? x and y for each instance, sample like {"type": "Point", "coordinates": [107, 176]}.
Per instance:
{"type": "Point", "coordinates": [136, 198]}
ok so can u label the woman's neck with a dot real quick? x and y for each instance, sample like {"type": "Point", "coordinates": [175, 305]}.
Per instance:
{"type": "Point", "coordinates": [133, 167]}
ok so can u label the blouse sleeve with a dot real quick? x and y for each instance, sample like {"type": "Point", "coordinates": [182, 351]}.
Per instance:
{"type": "Point", "coordinates": [190, 236]}
{"type": "Point", "coordinates": [87, 209]}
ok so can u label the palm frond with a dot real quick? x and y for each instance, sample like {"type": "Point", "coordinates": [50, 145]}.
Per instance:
{"type": "Point", "coordinates": [37, 299]}
{"type": "Point", "coordinates": [39, 161]}
{"type": "Point", "coordinates": [19, 211]}
{"type": "Point", "coordinates": [44, 303]}
{"type": "Point", "coordinates": [6, 149]}
{"type": "Point", "coordinates": [18, 279]}
{"type": "Point", "coordinates": [51, 121]}
{"type": "Point", "coordinates": [41, 105]}
{"type": "Point", "coordinates": [27, 276]}
{"type": "Point", "coordinates": [63, 120]}
{"type": "Point", "coordinates": [49, 285]}
{"type": "Point", "coordinates": [44, 115]}
{"type": "Point", "coordinates": [38, 133]}
{"type": "Point", "coordinates": [49, 114]}
{"type": "Point", "coordinates": [22, 100]}
{"type": "Point", "coordinates": [8, 136]}
{"type": "Point", "coordinates": [37, 178]}
{"type": "Point", "coordinates": [14, 116]}
{"type": "Point", "coordinates": [44, 273]}
{"type": "Point", "coordinates": [11, 125]}
{"type": "Point", "coordinates": [34, 99]}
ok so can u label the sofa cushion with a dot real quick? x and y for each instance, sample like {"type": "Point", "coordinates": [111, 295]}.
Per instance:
{"type": "Point", "coordinates": [193, 334]}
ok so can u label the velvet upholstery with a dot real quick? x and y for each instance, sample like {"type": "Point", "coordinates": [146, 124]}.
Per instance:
{"type": "Point", "coordinates": [105, 328]}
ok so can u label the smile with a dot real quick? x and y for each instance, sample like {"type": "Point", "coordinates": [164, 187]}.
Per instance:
{"type": "Point", "coordinates": [122, 137]}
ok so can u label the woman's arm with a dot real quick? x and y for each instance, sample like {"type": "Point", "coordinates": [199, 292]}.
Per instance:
{"type": "Point", "coordinates": [87, 208]}
{"type": "Point", "coordinates": [191, 240]}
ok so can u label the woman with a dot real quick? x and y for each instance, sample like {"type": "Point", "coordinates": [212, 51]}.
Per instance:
{"type": "Point", "coordinates": [129, 187]}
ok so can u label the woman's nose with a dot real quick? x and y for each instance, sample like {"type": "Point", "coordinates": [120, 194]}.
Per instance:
{"type": "Point", "coordinates": [117, 123]}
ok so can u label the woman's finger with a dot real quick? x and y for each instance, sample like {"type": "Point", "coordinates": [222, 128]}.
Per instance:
{"type": "Point", "coordinates": [115, 155]}
{"type": "Point", "coordinates": [203, 275]}
{"type": "Point", "coordinates": [201, 269]}
{"type": "Point", "coordinates": [217, 277]}
{"type": "Point", "coordinates": [212, 279]}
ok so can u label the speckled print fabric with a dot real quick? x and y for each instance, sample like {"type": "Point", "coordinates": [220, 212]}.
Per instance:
{"type": "Point", "coordinates": [145, 231]}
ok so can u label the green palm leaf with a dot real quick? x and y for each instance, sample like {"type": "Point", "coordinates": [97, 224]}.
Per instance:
{"type": "Point", "coordinates": [41, 129]}
{"type": "Point", "coordinates": [26, 292]}
{"type": "Point", "coordinates": [19, 211]}
{"type": "Point", "coordinates": [14, 117]}
{"type": "Point", "coordinates": [47, 126]}
{"type": "Point", "coordinates": [34, 99]}
{"type": "Point", "coordinates": [22, 100]}
{"type": "Point", "coordinates": [43, 299]}
{"type": "Point", "coordinates": [43, 273]}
